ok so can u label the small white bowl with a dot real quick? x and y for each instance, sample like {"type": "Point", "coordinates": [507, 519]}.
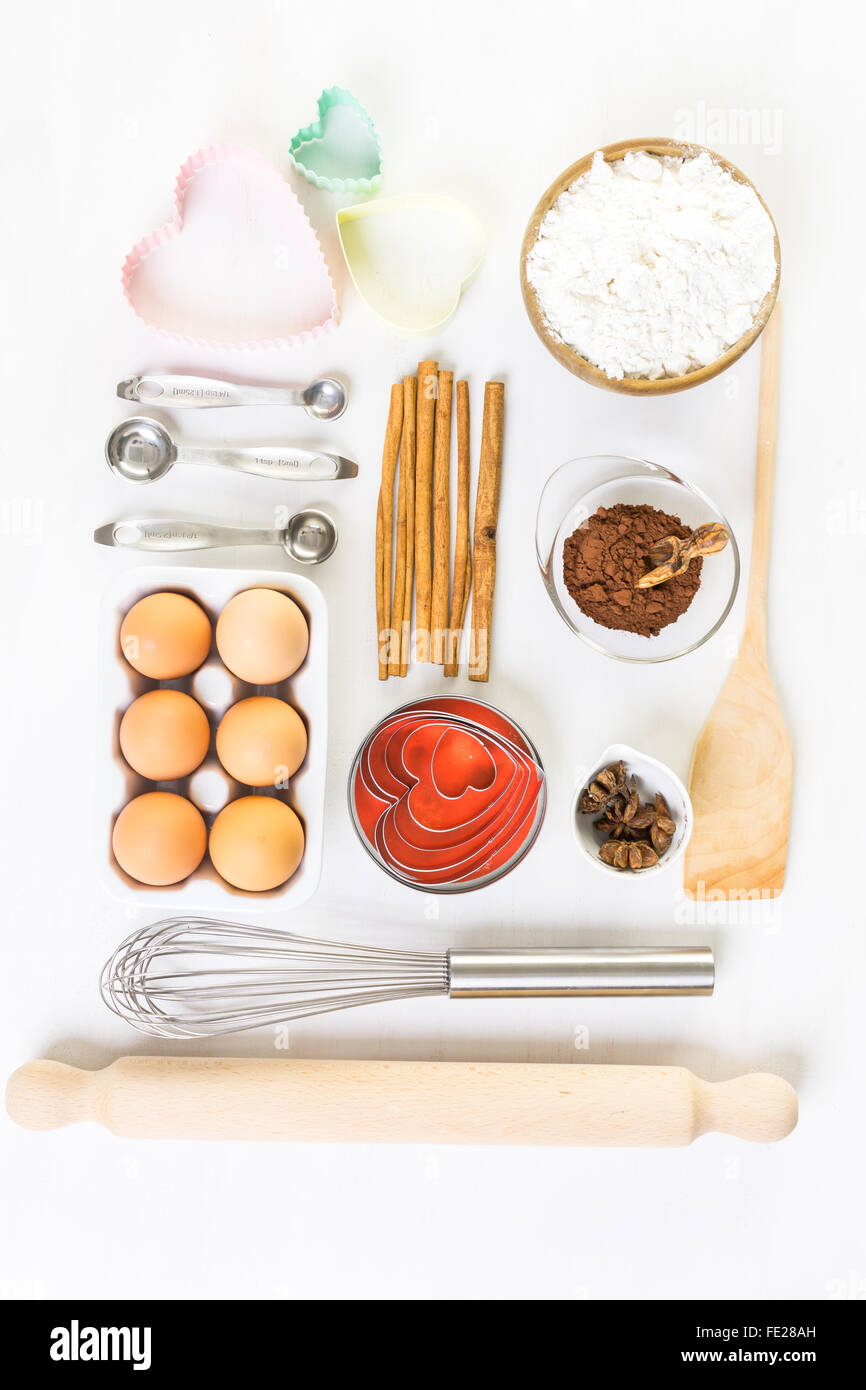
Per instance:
{"type": "Point", "coordinates": [651, 776]}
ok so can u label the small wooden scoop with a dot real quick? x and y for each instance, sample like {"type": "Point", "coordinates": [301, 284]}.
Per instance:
{"type": "Point", "coordinates": [672, 555]}
{"type": "Point", "coordinates": [742, 767]}
{"type": "Point", "coordinates": [401, 1102]}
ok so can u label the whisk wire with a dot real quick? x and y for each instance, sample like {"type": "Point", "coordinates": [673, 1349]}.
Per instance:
{"type": "Point", "coordinates": [202, 978]}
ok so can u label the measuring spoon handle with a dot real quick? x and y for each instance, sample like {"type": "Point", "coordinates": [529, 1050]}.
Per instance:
{"type": "Point", "coordinates": [273, 461]}
{"type": "Point", "coordinates": [162, 536]}
{"type": "Point", "coordinates": [201, 392]}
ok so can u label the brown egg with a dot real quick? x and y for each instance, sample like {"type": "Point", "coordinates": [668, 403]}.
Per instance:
{"type": "Point", "coordinates": [262, 636]}
{"type": "Point", "coordinates": [256, 843]}
{"type": "Point", "coordinates": [165, 635]}
{"type": "Point", "coordinates": [159, 838]}
{"type": "Point", "coordinates": [164, 734]}
{"type": "Point", "coordinates": [261, 741]}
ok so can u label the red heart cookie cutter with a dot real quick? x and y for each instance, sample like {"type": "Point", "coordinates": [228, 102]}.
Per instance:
{"type": "Point", "coordinates": [447, 794]}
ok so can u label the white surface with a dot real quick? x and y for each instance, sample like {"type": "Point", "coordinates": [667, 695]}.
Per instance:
{"type": "Point", "coordinates": [205, 892]}
{"type": "Point", "coordinates": [485, 102]}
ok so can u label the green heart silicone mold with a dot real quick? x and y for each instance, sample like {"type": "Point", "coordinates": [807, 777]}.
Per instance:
{"type": "Point", "coordinates": [340, 152]}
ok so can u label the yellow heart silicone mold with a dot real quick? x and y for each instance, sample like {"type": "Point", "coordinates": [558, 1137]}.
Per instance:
{"type": "Point", "coordinates": [411, 257]}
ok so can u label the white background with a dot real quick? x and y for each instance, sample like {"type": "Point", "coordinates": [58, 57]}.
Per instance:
{"type": "Point", "coordinates": [487, 102]}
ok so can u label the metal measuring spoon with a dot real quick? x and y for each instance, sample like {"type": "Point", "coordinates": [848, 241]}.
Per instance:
{"type": "Point", "coordinates": [325, 399]}
{"type": "Point", "coordinates": [308, 538]}
{"type": "Point", "coordinates": [141, 450]}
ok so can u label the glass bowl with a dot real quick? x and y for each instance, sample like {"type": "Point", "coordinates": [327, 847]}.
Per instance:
{"type": "Point", "coordinates": [574, 492]}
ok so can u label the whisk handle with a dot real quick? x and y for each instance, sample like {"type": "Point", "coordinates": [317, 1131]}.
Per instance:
{"type": "Point", "coordinates": [401, 1102]}
{"type": "Point", "coordinates": [528, 974]}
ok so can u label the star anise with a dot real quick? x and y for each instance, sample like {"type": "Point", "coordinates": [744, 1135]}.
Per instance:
{"type": "Point", "coordinates": [612, 826]}
{"type": "Point", "coordinates": [662, 827]}
{"type": "Point", "coordinates": [624, 817]}
{"type": "Point", "coordinates": [639, 854]}
{"type": "Point", "coordinates": [607, 784]}
{"type": "Point", "coordinates": [637, 833]}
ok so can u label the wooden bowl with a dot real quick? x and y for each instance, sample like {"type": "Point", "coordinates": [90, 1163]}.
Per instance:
{"type": "Point", "coordinates": [587, 371]}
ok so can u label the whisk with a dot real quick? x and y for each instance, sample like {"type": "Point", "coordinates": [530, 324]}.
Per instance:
{"type": "Point", "coordinates": [189, 977]}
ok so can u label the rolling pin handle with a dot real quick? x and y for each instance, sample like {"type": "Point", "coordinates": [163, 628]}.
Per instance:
{"type": "Point", "coordinates": [49, 1095]}
{"type": "Point", "coordinates": [759, 1107]}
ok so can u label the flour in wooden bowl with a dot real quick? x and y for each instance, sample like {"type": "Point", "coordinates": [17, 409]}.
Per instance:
{"type": "Point", "coordinates": [653, 266]}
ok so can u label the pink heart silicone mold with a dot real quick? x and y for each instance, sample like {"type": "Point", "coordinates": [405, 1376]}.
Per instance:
{"type": "Point", "coordinates": [231, 255]}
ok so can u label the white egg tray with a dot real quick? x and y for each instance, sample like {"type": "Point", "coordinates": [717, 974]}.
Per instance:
{"type": "Point", "coordinates": [216, 689]}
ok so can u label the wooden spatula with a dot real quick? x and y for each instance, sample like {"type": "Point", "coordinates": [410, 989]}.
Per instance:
{"type": "Point", "coordinates": [401, 1102]}
{"type": "Point", "coordinates": [741, 773]}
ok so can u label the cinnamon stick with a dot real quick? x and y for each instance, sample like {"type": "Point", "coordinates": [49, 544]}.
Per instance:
{"type": "Point", "coordinates": [385, 527]}
{"type": "Point", "coordinates": [462, 581]}
{"type": "Point", "coordinates": [426, 407]}
{"type": "Point", "coordinates": [407, 470]}
{"type": "Point", "coordinates": [396, 643]}
{"type": "Point", "coordinates": [380, 589]}
{"type": "Point", "coordinates": [486, 518]}
{"type": "Point", "coordinates": [441, 517]}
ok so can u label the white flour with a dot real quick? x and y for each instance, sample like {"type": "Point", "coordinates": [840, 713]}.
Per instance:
{"type": "Point", "coordinates": [652, 267]}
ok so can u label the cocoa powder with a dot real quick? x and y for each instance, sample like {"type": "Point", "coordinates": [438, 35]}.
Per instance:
{"type": "Point", "coordinates": [606, 556]}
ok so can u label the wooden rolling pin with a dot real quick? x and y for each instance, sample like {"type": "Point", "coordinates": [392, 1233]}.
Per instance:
{"type": "Point", "coordinates": [400, 1102]}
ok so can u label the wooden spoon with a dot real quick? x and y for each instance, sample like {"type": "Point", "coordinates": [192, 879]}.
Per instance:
{"type": "Point", "coordinates": [740, 781]}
